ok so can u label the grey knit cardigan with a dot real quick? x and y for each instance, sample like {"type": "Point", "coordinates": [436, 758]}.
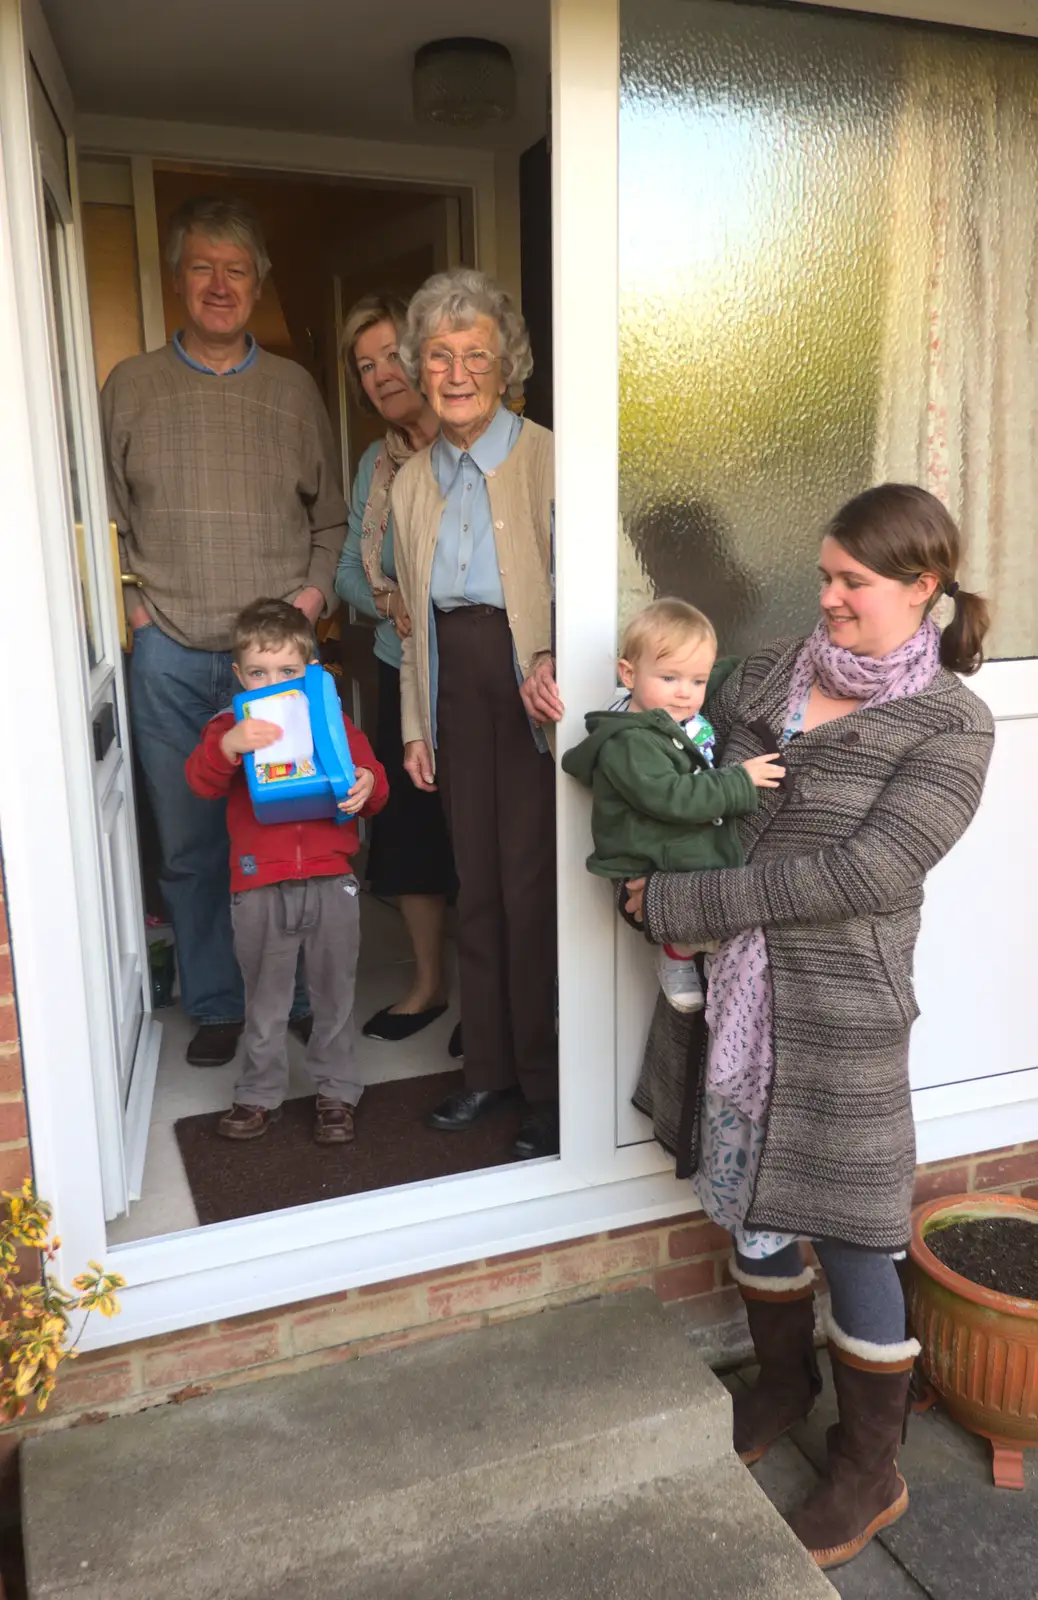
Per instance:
{"type": "Point", "coordinates": [835, 868]}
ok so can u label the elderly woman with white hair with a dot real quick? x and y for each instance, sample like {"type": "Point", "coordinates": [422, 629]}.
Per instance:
{"type": "Point", "coordinates": [473, 518]}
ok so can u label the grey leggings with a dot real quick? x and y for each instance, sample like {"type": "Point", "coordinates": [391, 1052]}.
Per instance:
{"type": "Point", "coordinates": [864, 1288]}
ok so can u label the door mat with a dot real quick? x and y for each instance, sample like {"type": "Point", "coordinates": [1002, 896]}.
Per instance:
{"type": "Point", "coordinates": [393, 1146]}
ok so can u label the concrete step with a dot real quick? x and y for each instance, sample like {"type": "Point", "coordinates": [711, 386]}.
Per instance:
{"type": "Point", "coordinates": [583, 1451]}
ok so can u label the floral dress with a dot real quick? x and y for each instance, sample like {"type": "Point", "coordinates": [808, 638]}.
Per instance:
{"type": "Point", "coordinates": [737, 1092]}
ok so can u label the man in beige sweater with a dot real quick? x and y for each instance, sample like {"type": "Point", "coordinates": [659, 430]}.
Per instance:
{"type": "Point", "coordinates": [224, 485]}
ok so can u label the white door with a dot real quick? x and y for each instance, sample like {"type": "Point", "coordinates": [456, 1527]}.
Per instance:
{"type": "Point", "coordinates": [87, 607]}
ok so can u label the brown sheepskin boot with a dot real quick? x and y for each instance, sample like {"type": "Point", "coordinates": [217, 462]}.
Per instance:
{"type": "Point", "coordinates": [862, 1490]}
{"type": "Point", "coordinates": [781, 1315]}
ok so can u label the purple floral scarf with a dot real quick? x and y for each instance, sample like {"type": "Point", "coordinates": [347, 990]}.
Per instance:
{"type": "Point", "coordinates": [739, 1000]}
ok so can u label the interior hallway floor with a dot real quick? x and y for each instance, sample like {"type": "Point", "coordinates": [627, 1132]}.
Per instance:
{"type": "Point", "coordinates": [383, 976]}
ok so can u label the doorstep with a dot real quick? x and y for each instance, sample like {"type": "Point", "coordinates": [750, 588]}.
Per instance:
{"type": "Point", "coordinates": [582, 1452]}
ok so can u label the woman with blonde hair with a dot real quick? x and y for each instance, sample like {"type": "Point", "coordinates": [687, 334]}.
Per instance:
{"type": "Point", "coordinates": [409, 859]}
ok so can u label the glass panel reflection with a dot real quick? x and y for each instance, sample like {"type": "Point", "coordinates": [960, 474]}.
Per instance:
{"type": "Point", "coordinates": [59, 290]}
{"type": "Point", "coordinates": [823, 283]}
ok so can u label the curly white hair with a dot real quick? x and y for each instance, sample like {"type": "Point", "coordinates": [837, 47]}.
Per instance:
{"type": "Point", "coordinates": [454, 299]}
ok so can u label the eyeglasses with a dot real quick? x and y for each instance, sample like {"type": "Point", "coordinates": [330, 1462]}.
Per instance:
{"type": "Point", "coordinates": [478, 362]}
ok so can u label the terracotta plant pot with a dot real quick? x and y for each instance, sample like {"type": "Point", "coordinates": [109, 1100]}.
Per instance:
{"type": "Point", "coordinates": [980, 1349]}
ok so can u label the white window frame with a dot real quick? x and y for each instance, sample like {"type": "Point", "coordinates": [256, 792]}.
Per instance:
{"type": "Point", "coordinates": [227, 1269]}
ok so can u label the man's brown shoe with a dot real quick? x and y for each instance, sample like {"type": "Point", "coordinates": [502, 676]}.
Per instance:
{"type": "Point", "coordinates": [334, 1123]}
{"type": "Point", "coordinates": [246, 1122]}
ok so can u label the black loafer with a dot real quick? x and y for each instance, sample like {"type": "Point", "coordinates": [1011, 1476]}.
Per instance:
{"type": "Point", "coordinates": [455, 1048]}
{"type": "Point", "coordinates": [214, 1044]}
{"type": "Point", "coordinates": [393, 1026]}
{"type": "Point", "coordinates": [302, 1026]}
{"type": "Point", "coordinates": [460, 1110]}
{"type": "Point", "coordinates": [538, 1134]}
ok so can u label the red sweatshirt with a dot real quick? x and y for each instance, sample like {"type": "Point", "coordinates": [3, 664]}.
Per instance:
{"type": "Point", "coordinates": [270, 852]}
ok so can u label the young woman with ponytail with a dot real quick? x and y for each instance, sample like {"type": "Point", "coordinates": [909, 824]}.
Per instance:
{"type": "Point", "coordinates": [790, 1106]}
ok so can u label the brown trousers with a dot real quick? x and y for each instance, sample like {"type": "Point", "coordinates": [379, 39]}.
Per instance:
{"type": "Point", "coordinates": [499, 797]}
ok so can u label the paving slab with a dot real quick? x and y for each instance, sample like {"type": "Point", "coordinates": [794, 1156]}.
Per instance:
{"type": "Point", "coordinates": [457, 1451]}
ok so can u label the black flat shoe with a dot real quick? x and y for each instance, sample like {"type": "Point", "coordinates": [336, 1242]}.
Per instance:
{"type": "Point", "coordinates": [214, 1044]}
{"type": "Point", "coordinates": [538, 1134]}
{"type": "Point", "coordinates": [455, 1048]}
{"type": "Point", "coordinates": [302, 1026]}
{"type": "Point", "coordinates": [460, 1110]}
{"type": "Point", "coordinates": [392, 1026]}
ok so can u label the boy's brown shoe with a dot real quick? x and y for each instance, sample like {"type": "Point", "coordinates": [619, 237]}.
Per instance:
{"type": "Point", "coordinates": [246, 1122]}
{"type": "Point", "coordinates": [334, 1124]}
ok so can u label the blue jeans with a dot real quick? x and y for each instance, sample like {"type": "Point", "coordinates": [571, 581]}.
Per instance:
{"type": "Point", "coordinates": [173, 693]}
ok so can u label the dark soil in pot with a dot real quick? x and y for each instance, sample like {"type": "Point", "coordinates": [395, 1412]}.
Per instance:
{"type": "Point", "coordinates": [999, 1253]}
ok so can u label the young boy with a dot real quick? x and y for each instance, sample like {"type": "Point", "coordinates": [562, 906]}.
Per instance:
{"type": "Point", "coordinates": [657, 802]}
{"type": "Point", "coordinates": [292, 888]}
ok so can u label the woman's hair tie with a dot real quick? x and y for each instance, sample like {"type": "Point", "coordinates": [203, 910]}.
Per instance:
{"type": "Point", "coordinates": [951, 589]}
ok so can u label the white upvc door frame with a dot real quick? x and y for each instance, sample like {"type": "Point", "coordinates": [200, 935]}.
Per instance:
{"type": "Point", "coordinates": [227, 1269]}
{"type": "Point", "coordinates": [50, 848]}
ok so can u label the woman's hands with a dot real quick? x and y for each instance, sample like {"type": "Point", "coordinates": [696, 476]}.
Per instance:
{"type": "Point", "coordinates": [636, 898]}
{"type": "Point", "coordinates": [390, 603]}
{"type": "Point", "coordinates": [418, 764]}
{"type": "Point", "coordinates": [540, 693]}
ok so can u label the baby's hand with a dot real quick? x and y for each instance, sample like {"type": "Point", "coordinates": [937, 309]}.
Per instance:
{"type": "Point", "coordinates": [764, 774]}
{"type": "Point", "coordinates": [358, 796]}
{"type": "Point", "coordinates": [248, 734]}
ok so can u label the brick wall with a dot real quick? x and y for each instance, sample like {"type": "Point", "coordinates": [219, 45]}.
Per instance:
{"type": "Point", "coordinates": [683, 1259]}
{"type": "Point", "coordinates": [14, 1131]}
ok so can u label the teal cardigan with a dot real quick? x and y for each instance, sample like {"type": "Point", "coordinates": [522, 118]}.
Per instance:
{"type": "Point", "coordinates": [351, 581]}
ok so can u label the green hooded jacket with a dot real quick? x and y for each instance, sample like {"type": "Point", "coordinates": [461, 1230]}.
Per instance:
{"type": "Point", "coordinates": [656, 803]}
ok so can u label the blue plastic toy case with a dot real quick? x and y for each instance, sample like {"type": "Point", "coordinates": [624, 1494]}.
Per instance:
{"type": "Point", "coordinates": [311, 785]}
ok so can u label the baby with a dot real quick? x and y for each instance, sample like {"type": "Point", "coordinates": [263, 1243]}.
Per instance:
{"type": "Point", "coordinates": [658, 803]}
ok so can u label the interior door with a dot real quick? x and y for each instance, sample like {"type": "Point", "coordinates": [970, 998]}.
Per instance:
{"type": "Point", "coordinates": [125, 1051]}
{"type": "Point", "coordinates": [396, 259]}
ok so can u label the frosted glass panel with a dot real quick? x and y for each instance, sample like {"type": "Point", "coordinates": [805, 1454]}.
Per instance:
{"type": "Point", "coordinates": [824, 283]}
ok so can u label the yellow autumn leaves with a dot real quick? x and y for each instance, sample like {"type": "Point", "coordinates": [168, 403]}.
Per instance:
{"type": "Point", "coordinates": [36, 1317]}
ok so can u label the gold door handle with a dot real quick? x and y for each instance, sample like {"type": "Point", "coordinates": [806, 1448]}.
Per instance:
{"type": "Point", "coordinates": [123, 580]}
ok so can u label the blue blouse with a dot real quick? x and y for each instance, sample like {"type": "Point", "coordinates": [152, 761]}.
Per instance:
{"type": "Point", "coordinates": [464, 569]}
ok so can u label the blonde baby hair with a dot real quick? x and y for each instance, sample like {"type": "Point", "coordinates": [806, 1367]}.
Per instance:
{"type": "Point", "coordinates": [664, 627]}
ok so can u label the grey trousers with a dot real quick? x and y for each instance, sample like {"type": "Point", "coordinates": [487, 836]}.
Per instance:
{"type": "Point", "coordinates": [321, 917]}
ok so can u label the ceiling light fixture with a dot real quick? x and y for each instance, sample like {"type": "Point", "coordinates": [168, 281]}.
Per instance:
{"type": "Point", "coordinates": [463, 83]}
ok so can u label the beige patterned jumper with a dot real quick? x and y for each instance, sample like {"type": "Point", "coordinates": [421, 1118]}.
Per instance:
{"type": "Point", "coordinates": [223, 488]}
{"type": "Point", "coordinates": [835, 871]}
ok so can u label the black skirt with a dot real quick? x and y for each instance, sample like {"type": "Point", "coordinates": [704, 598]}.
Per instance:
{"type": "Point", "coordinates": [410, 851]}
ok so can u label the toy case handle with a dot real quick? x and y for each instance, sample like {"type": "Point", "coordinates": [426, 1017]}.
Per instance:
{"type": "Point", "coordinates": [337, 763]}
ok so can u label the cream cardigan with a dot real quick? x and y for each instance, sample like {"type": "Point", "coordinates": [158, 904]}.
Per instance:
{"type": "Point", "coordinates": [521, 491]}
